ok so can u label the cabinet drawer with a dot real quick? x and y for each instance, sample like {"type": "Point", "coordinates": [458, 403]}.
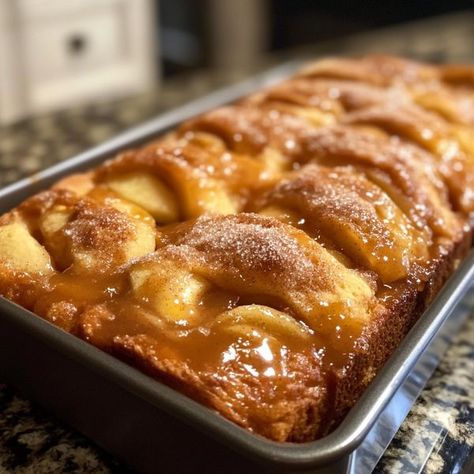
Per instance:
{"type": "Point", "coordinates": [61, 46]}
{"type": "Point", "coordinates": [83, 50]}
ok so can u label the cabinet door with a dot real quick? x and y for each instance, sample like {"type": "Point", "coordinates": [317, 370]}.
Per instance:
{"type": "Point", "coordinates": [82, 50]}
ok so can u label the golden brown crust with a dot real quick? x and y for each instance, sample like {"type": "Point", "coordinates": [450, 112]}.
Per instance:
{"type": "Point", "coordinates": [342, 209]}
{"type": "Point", "coordinates": [266, 257]}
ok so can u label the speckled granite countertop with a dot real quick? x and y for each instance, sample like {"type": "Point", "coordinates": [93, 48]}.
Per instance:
{"type": "Point", "coordinates": [438, 434]}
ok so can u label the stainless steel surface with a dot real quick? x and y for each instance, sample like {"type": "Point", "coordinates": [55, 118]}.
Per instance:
{"type": "Point", "coordinates": [360, 440]}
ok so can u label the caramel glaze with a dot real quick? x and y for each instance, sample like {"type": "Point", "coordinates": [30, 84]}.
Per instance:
{"type": "Point", "coordinates": [266, 257]}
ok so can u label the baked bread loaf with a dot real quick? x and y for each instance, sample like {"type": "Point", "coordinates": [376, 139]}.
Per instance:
{"type": "Point", "coordinates": [267, 257]}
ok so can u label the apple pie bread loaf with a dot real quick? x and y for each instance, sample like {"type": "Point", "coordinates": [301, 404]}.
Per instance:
{"type": "Point", "coordinates": [267, 257]}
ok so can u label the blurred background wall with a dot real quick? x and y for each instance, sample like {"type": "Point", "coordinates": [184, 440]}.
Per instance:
{"type": "Point", "coordinates": [229, 33]}
{"type": "Point", "coordinates": [55, 53]}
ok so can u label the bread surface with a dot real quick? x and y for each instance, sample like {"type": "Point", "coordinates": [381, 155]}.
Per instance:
{"type": "Point", "coordinates": [267, 257]}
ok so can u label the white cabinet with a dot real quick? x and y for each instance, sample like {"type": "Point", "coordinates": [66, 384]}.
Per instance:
{"type": "Point", "coordinates": [57, 53]}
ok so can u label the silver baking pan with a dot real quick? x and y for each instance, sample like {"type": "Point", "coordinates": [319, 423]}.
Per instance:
{"type": "Point", "coordinates": [151, 427]}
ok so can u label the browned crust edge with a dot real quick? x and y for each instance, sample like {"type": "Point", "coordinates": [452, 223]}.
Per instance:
{"type": "Point", "coordinates": [387, 334]}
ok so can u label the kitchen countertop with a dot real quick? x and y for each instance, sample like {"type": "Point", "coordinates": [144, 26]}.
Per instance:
{"type": "Point", "coordinates": [438, 434]}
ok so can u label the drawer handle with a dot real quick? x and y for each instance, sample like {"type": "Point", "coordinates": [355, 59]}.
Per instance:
{"type": "Point", "coordinates": [77, 44]}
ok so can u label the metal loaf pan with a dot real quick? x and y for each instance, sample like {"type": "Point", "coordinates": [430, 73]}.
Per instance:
{"type": "Point", "coordinates": [151, 427]}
